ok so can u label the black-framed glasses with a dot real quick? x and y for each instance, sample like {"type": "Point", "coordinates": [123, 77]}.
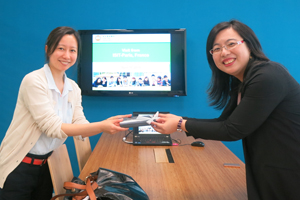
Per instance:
{"type": "Point", "coordinates": [230, 45]}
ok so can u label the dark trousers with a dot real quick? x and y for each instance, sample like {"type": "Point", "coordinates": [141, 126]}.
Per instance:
{"type": "Point", "coordinates": [28, 182]}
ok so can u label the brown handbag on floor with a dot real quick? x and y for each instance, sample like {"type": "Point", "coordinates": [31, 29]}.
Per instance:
{"type": "Point", "coordinates": [104, 184]}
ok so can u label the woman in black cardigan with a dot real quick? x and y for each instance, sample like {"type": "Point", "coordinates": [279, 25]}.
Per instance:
{"type": "Point", "coordinates": [261, 106]}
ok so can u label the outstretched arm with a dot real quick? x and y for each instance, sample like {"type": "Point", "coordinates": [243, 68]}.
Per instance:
{"type": "Point", "coordinates": [110, 125]}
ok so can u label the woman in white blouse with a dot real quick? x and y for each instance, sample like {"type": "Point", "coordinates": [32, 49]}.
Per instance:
{"type": "Point", "coordinates": [48, 110]}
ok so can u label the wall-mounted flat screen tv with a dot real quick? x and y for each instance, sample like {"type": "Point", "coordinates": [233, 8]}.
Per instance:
{"type": "Point", "coordinates": [133, 62]}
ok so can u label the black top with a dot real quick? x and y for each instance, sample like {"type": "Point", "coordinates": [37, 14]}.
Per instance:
{"type": "Point", "coordinates": [268, 121]}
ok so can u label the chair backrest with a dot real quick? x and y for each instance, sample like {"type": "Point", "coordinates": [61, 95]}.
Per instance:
{"type": "Point", "coordinates": [83, 151]}
{"type": "Point", "coordinates": [60, 169]}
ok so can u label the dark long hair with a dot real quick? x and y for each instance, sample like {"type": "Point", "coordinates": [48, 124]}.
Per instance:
{"type": "Point", "coordinates": [221, 83]}
{"type": "Point", "coordinates": [56, 35]}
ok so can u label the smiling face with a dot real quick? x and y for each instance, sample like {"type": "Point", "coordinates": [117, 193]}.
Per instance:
{"type": "Point", "coordinates": [232, 61]}
{"type": "Point", "coordinates": [65, 54]}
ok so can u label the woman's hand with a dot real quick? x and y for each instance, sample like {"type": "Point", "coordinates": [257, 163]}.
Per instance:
{"type": "Point", "coordinates": [166, 124]}
{"type": "Point", "coordinates": [112, 124]}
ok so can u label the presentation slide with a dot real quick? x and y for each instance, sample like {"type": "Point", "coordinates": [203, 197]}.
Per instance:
{"type": "Point", "coordinates": [132, 62]}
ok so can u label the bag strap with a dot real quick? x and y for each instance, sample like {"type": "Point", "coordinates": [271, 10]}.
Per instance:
{"type": "Point", "coordinates": [71, 185]}
{"type": "Point", "coordinates": [88, 190]}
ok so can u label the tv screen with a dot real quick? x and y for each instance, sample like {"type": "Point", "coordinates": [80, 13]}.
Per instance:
{"type": "Point", "coordinates": [135, 62]}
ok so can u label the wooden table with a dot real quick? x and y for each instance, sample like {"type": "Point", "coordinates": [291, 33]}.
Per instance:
{"type": "Point", "coordinates": [197, 172]}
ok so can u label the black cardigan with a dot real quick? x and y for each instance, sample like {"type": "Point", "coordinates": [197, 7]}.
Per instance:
{"type": "Point", "coordinates": [268, 121]}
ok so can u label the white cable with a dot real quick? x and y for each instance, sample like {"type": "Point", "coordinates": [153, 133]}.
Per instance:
{"type": "Point", "coordinates": [124, 138]}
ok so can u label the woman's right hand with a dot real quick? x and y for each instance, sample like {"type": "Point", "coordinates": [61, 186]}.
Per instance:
{"type": "Point", "coordinates": [110, 125]}
{"type": "Point", "coordinates": [166, 124]}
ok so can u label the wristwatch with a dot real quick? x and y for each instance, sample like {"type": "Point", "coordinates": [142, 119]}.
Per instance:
{"type": "Point", "coordinates": [179, 125]}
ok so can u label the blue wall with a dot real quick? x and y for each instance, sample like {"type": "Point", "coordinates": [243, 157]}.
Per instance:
{"type": "Point", "coordinates": [24, 27]}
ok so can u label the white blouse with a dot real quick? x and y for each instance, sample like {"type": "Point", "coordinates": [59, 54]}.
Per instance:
{"type": "Point", "coordinates": [62, 107]}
